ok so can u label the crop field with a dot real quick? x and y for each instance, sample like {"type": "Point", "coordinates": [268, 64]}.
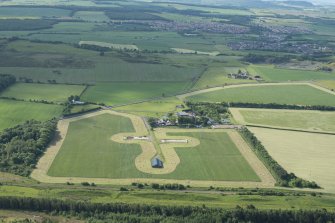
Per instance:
{"type": "Point", "coordinates": [295, 119]}
{"type": "Point", "coordinates": [308, 155]}
{"type": "Point", "coordinates": [47, 92]}
{"type": "Point", "coordinates": [278, 74]}
{"type": "Point", "coordinates": [329, 84]}
{"type": "Point", "coordinates": [280, 94]}
{"type": "Point", "coordinates": [124, 93]}
{"type": "Point", "coordinates": [16, 112]}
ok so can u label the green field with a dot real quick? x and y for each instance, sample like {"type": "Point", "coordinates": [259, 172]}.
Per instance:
{"type": "Point", "coordinates": [155, 108]}
{"type": "Point", "coordinates": [38, 12]}
{"type": "Point", "coordinates": [216, 75]}
{"type": "Point", "coordinates": [88, 150]}
{"type": "Point", "coordinates": [307, 120]}
{"type": "Point", "coordinates": [280, 94]}
{"type": "Point", "coordinates": [16, 112]}
{"type": "Point", "coordinates": [270, 73]}
{"type": "Point", "coordinates": [66, 64]}
{"type": "Point", "coordinates": [47, 92]}
{"type": "Point", "coordinates": [216, 158]}
{"type": "Point", "coordinates": [124, 93]}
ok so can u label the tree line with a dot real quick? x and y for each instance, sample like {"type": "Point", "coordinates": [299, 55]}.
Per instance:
{"type": "Point", "coordinates": [6, 80]}
{"type": "Point", "coordinates": [150, 213]}
{"type": "Point", "coordinates": [22, 145]}
{"type": "Point", "coordinates": [281, 106]}
{"type": "Point", "coordinates": [282, 177]}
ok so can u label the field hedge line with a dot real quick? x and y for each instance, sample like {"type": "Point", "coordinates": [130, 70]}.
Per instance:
{"type": "Point", "coordinates": [121, 212]}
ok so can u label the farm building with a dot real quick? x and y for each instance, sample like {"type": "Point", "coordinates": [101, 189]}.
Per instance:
{"type": "Point", "coordinates": [156, 163]}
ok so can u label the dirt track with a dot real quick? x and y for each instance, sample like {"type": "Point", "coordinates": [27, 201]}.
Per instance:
{"type": "Point", "coordinates": [143, 161]}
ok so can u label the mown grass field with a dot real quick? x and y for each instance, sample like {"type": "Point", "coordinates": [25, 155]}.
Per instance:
{"type": "Point", "coordinates": [15, 112]}
{"type": "Point", "coordinates": [270, 73]}
{"type": "Point", "coordinates": [308, 155]}
{"type": "Point", "coordinates": [216, 158]}
{"type": "Point", "coordinates": [47, 92]}
{"type": "Point", "coordinates": [124, 93]}
{"type": "Point", "coordinates": [280, 94]}
{"type": "Point", "coordinates": [88, 150]}
{"type": "Point", "coordinates": [307, 120]}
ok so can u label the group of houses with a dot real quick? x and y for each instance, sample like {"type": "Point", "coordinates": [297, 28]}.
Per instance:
{"type": "Point", "coordinates": [244, 75]}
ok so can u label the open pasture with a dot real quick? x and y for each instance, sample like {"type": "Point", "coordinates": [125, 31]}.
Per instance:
{"type": "Point", "coordinates": [67, 64]}
{"type": "Point", "coordinates": [295, 119]}
{"type": "Point", "coordinates": [155, 108]}
{"type": "Point", "coordinates": [47, 92]}
{"type": "Point", "coordinates": [217, 75]}
{"type": "Point", "coordinates": [37, 12]}
{"type": "Point", "coordinates": [127, 93]}
{"type": "Point", "coordinates": [295, 94]}
{"type": "Point", "coordinates": [308, 155]}
{"type": "Point", "coordinates": [16, 112]}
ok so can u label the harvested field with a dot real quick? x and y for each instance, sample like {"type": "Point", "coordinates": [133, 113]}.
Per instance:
{"type": "Point", "coordinates": [308, 155]}
{"type": "Point", "coordinates": [319, 121]}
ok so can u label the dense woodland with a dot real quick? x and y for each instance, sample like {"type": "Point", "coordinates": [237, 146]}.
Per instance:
{"type": "Point", "coordinates": [6, 80]}
{"type": "Point", "coordinates": [283, 178]}
{"type": "Point", "coordinates": [136, 213]}
{"type": "Point", "coordinates": [21, 146]}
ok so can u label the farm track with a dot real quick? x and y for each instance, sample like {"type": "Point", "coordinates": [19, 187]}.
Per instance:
{"type": "Point", "coordinates": [143, 161]}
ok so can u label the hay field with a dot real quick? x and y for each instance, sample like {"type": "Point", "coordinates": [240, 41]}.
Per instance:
{"type": "Point", "coordinates": [47, 92]}
{"type": "Point", "coordinates": [15, 112]}
{"type": "Point", "coordinates": [299, 94]}
{"type": "Point", "coordinates": [295, 119]}
{"type": "Point", "coordinates": [308, 155]}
